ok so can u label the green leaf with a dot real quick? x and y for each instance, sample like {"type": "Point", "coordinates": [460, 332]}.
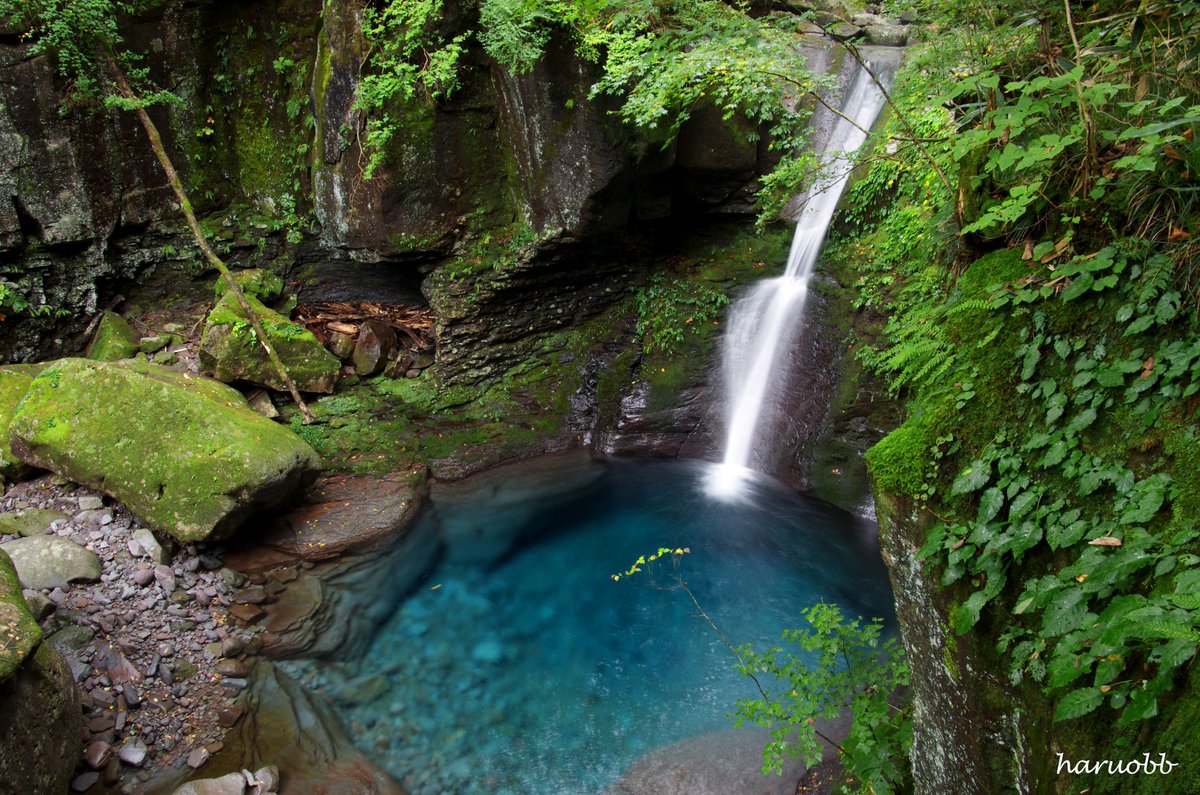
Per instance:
{"type": "Point", "coordinates": [973, 478]}
{"type": "Point", "coordinates": [990, 504]}
{"type": "Point", "coordinates": [1078, 702]}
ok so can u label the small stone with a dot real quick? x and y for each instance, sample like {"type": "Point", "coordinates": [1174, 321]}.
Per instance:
{"type": "Point", "coordinates": [234, 684]}
{"type": "Point", "coordinates": [39, 604]}
{"type": "Point", "coordinates": [260, 401]}
{"type": "Point", "coordinates": [247, 614]}
{"type": "Point", "coordinates": [143, 577]}
{"type": "Point", "coordinates": [165, 578]}
{"type": "Point", "coordinates": [132, 752]}
{"type": "Point", "coordinates": [228, 716]}
{"type": "Point", "coordinates": [84, 781]}
{"type": "Point", "coordinates": [251, 596]}
{"type": "Point", "coordinates": [414, 373]}
{"type": "Point", "coordinates": [112, 772]}
{"type": "Point", "coordinates": [341, 345]}
{"type": "Point", "coordinates": [230, 667]}
{"type": "Point", "coordinates": [90, 502]}
{"type": "Point", "coordinates": [133, 696]}
{"type": "Point", "coordinates": [165, 358]}
{"type": "Point", "coordinates": [267, 778]}
{"type": "Point", "coordinates": [233, 645]}
{"type": "Point", "coordinates": [150, 546]}
{"type": "Point", "coordinates": [97, 755]}
{"type": "Point", "coordinates": [197, 757]}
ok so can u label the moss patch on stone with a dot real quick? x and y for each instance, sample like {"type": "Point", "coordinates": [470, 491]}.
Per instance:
{"type": "Point", "coordinates": [230, 351]}
{"type": "Point", "coordinates": [113, 340]}
{"type": "Point", "coordinates": [19, 632]}
{"type": "Point", "coordinates": [14, 384]}
{"type": "Point", "coordinates": [104, 425]}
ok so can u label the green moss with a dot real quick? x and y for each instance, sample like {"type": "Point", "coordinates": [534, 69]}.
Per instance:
{"type": "Point", "coordinates": [14, 384]}
{"type": "Point", "coordinates": [19, 632]}
{"type": "Point", "coordinates": [230, 351]}
{"type": "Point", "coordinates": [262, 284]}
{"type": "Point", "coordinates": [114, 339]}
{"type": "Point", "coordinates": [901, 461]}
{"type": "Point", "coordinates": [103, 425]}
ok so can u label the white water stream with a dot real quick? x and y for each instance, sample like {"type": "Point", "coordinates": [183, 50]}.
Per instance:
{"type": "Point", "coordinates": [768, 318]}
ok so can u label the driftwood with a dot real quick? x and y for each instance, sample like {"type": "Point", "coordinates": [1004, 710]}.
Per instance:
{"type": "Point", "coordinates": [414, 322]}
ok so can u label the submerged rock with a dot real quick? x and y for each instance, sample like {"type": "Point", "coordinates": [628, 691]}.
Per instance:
{"type": "Point", "coordinates": [230, 351]}
{"type": "Point", "coordinates": [51, 562]}
{"type": "Point", "coordinates": [224, 462]}
{"type": "Point", "coordinates": [114, 339]}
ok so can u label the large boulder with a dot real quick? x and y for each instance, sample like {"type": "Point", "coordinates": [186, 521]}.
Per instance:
{"type": "Point", "coordinates": [41, 720]}
{"type": "Point", "coordinates": [186, 454]}
{"type": "Point", "coordinates": [114, 339]}
{"type": "Point", "coordinates": [14, 383]}
{"type": "Point", "coordinates": [230, 351]}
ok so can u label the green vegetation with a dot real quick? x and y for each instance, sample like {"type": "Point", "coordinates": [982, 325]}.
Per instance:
{"type": "Point", "coordinates": [842, 668]}
{"type": "Point", "coordinates": [854, 672]}
{"type": "Point", "coordinates": [662, 59]}
{"type": "Point", "coordinates": [1053, 383]}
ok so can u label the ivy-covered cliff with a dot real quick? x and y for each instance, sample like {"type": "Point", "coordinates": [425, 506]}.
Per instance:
{"type": "Point", "coordinates": [1028, 235]}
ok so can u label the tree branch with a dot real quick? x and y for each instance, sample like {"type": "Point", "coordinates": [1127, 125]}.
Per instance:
{"type": "Point", "coordinates": [156, 144]}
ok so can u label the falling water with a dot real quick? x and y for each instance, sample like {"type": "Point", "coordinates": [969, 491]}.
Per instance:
{"type": "Point", "coordinates": [769, 317]}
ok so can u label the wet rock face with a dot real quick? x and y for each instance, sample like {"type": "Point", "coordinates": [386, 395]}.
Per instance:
{"type": "Point", "coordinates": [970, 732]}
{"type": "Point", "coordinates": [41, 724]}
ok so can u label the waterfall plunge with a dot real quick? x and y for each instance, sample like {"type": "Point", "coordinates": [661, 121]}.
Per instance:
{"type": "Point", "coordinates": [769, 317]}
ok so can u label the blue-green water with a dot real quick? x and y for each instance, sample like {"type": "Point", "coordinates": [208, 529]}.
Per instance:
{"type": "Point", "coordinates": [536, 673]}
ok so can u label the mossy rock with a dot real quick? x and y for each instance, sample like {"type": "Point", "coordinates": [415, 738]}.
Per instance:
{"type": "Point", "coordinates": [41, 723]}
{"type": "Point", "coordinates": [114, 339]}
{"type": "Point", "coordinates": [229, 350]}
{"type": "Point", "coordinates": [29, 522]}
{"type": "Point", "coordinates": [262, 284]}
{"type": "Point", "coordinates": [104, 425]}
{"type": "Point", "coordinates": [14, 383]}
{"type": "Point", "coordinates": [19, 632]}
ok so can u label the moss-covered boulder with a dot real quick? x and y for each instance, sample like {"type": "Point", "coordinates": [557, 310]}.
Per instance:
{"type": "Point", "coordinates": [19, 632]}
{"type": "Point", "coordinates": [40, 723]}
{"type": "Point", "coordinates": [114, 339]}
{"type": "Point", "coordinates": [229, 350]}
{"type": "Point", "coordinates": [186, 454]}
{"type": "Point", "coordinates": [14, 383]}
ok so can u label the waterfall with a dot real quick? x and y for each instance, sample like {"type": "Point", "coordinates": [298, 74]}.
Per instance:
{"type": "Point", "coordinates": [769, 317]}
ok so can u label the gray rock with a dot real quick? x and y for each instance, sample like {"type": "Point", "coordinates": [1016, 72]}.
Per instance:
{"type": "Point", "coordinates": [90, 502]}
{"type": "Point", "coordinates": [97, 755]}
{"type": "Point", "coordinates": [376, 340]}
{"type": "Point", "coordinates": [143, 577]}
{"type": "Point", "coordinates": [267, 779]}
{"type": "Point", "coordinates": [197, 757]}
{"type": "Point", "coordinates": [229, 784]}
{"type": "Point", "coordinates": [866, 20]}
{"type": "Point", "coordinates": [84, 781]}
{"type": "Point", "coordinates": [150, 546]}
{"type": "Point", "coordinates": [45, 562]}
{"type": "Point", "coordinates": [29, 522]}
{"type": "Point", "coordinates": [132, 752]}
{"type": "Point", "coordinates": [39, 604]}
{"type": "Point", "coordinates": [887, 34]}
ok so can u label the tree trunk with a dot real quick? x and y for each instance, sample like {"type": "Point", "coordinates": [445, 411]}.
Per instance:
{"type": "Point", "coordinates": [198, 235]}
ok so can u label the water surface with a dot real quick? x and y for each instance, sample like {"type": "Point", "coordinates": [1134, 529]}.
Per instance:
{"type": "Point", "coordinates": [536, 674]}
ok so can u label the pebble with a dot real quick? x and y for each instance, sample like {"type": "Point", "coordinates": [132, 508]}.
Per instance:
{"type": "Point", "coordinates": [143, 577]}
{"type": "Point", "coordinates": [228, 667]}
{"type": "Point", "coordinates": [132, 752]}
{"type": "Point", "coordinates": [84, 781]}
{"type": "Point", "coordinates": [197, 757]}
{"type": "Point", "coordinates": [97, 754]}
